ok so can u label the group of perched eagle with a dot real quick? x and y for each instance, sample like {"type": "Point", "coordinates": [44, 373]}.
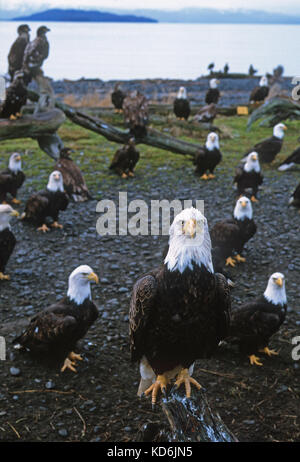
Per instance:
{"type": "Point", "coordinates": [181, 310]}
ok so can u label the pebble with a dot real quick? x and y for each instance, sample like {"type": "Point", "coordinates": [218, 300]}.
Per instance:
{"type": "Point", "coordinates": [49, 385]}
{"type": "Point", "coordinates": [63, 432]}
{"type": "Point", "coordinates": [15, 371]}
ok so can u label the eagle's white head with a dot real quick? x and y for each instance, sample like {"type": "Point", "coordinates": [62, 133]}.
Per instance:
{"type": "Point", "coordinates": [275, 291]}
{"type": "Point", "coordinates": [263, 81]}
{"type": "Point", "coordinates": [6, 213]}
{"type": "Point", "coordinates": [278, 130]}
{"type": "Point", "coordinates": [212, 141]}
{"type": "Point", "coordinates": [79, 283]}
{"type": "Point", "coordinates": [182, 94]}
{"type": "Point", "coordinates": [213, 83]}
{"type": "Point", "coordinates": [189, 242]}
{"type": "Point", "coordinates": [243, 208]}
{"type": "Point", "coordinates": [15, 162]}
{"type": "Point", "coordinates": [55, 182]}
{"type": "Point", "coordinates": [252, 162]}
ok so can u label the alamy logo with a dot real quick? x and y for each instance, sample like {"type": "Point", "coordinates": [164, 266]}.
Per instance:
{"type": "Point", "coordinates": [2, 349]}
{"type": "Point", "coordinates": [296, 349]}
{"type": "Point", "coordinates": [296, 89]}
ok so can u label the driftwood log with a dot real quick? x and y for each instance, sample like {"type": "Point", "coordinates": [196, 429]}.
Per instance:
{"type": "Point", "coordinates": [274, 111]}
{"type": "Point", "coordinates": [190, 420]}
{"type": "Point", "coordinates": [153, 138]}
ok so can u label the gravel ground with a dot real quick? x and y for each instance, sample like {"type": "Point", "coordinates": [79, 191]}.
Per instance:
{"type": "Point", "coordinates": [99, 403]}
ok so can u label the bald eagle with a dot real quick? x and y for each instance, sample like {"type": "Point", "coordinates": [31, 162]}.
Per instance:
{"type": "Point", "coordinates": [261, 92]}
{"type": "Point", "coordinates": [254, 323]}
{"type": "Point", "coordinates": [16, 52]}
{"type": "Point", "coordinates": [270, 147]}
{"type": "Point", "coordinates": [35, 54]}
{"type": "Point", "coordinates": [55, 331]}
{"type": "Point", "coordinates": [179, 311]}
{"type": "Point", "coordinates": [208, 158]}
{"type": "Point", "coordinates": [248, 176]}
{"type": "Point", "coordinates": [125, 159]}
{"type": "Point", "coordinates": [15, 99]}
{"type": "Point", "coordinates": [232, 234]}
{"type": "Point", "coordinates": [213, 94]}
{"type": "Point", "coordinates": [181, 105]}
{"type": "Point", "coordinates": [117, 98]}
{"type": "Point", "coordinates": [47, 203]}
{"type": "Point", "coordinates": [295, 197]}
{"type": "Point", "coordinates": [74, 183]}
{"type": "Point", "coordinates": [290, 161]}
{"type": "Point", "coordinates": [135, 110]}
{"type": "Point", "coordinates": [7, 238]}
{"type": "Point", "coordinates": [12, 178]}
{"type": "Point", "coordinates": [206, 114]}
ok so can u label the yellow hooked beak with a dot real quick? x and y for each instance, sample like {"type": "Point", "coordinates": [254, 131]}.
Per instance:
{"type": "Point", "coordinates": [189, 227]}
{"type": "Point", "coordinates": [284, 127]}
{"type": "Point", "coordinates": [254, 157]}
{"type": "Point", "coordinates": [56, 177]}
{"type": "Point", "coordinates": [93, 277]}
{"type": "Point", "coordinates": [14, 213]}
{"type": "Point", "coordinates": [18, 158]}
{"type": "Point", "coordinates": [243, 203]}
{"type": "Point", "coordinates": [279, 282]}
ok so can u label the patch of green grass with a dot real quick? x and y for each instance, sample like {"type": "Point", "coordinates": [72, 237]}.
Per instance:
{"type": "Point", "coordinates": [93, 154]}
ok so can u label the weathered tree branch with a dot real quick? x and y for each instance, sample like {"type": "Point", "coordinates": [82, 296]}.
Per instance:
{"type": "Point", "coordinates": [116, 135]}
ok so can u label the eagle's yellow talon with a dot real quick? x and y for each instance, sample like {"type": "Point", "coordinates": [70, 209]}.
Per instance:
{"type": "Point", "coordinates": [268, 352]}
{"type": "Point", "coordinates": [4, 277]}
{"type": "Point", "coordinates": [124, 175]}
{"type": "Point", "coordinates": [230, 262]}
{"type": "Point", "coordinates": [253, 199]}
{"type": "Point", "coordinates": [68, 364]}
{"type": "Point", "coordinates": [55, 224]}
{"type": "Point", "coordinates": [184, 377]}
{"type": "Point", "coordinates": [160, 383]}
{"type": "Point", "coordinates": [43, 228]}
{"type": "Point", "coordinates": [239, 259]}
{"type": "Point", "coordinates": [204, 177]}
{"type": "Point", "coordinates": [75, 357]}
{"type": "Point", "coordinates": [254, 360]}
{"type": "Point", "coordinates": [211, 176]}
{"type": "Point", "coordinates": [16, 201]}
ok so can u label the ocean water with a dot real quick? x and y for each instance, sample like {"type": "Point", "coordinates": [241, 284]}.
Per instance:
{"type": "Point", "coordinates": [137, 51]}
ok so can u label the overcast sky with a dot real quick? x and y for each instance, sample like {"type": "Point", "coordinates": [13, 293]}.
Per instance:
{"type": "Point", "coordinates": [284, 6]}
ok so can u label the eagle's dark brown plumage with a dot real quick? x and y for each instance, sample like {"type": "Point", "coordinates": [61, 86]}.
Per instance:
{"type": "Point", "coordinates": [207, 158]}
{"type": "Point", "coordinates": [55, 331]}
{"type": "Point", "coordinates": [253, 323]}
{"type": "Point", "coordinates": [16, 52]}
{"type": "Point", "coordinates": [295, 197]}
{"type": "Point", "coordinates": [16, 96]}
{"type": "Point", "coordinates": [290, 161]}
{"type": "Point", "coordinates": [248, 176]}
{"type": "Point", "coordinates": [125, 159]}
{"type": "Point", "coordinates": [181, 105]}
{"type": "Point", "coordinates": [11, 179]}
{"type": "Point", "coordinates": [269, 148]}
{"type": "Point", "coordinates": [117, 98]}
{"type": "Point", "coordinates": [74, 183]}
{"type": "Point", "coordinates": [206, 114]}
{"type": "Point", "coordinates": [35, 54]}
{"type": "Point", "coordinates": [259, 94]}
{"type": "Point", "coordinates": [135, 109]}
{"type": "Point", "coordinates": [180, 311]}
{"type": "Point", "coordinates": [7, 238]}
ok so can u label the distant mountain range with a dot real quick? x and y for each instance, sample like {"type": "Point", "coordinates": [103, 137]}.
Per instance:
{"type": "Point", "coordinates": [82, 16]}
{"type": "Point", "coordinates": [186, 15]}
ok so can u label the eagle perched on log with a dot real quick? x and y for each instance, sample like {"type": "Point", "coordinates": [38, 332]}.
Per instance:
{"type": "Point", "coordinates": [125, 159]}
{"type": "Point", "coordinates": [16, 52]}
{"type": "Point", "coordinates": [47, 203]}
{"type": "Point", "coordinates": [117, 98]}
{"type": "Point", "coordinates": [74, 183]}
{"type": "Point", "coordinates": [253, 323]}
{"type": "Point", "coordinates": [213, 94]}
{"type": "Point", "coordinates": [55, 331]}
{"type": "Point", "coordinates": [7, 238]}
{"type": "Point", "coordinates": [35, 54]}
{"type": "Point", "coordinates": [12, 178]}
{"type": "Point", "coordinates": [232, 234]}
{"type": "Point", "coordinates": [181, 106]}
{"type": "Point", "coordinates": [180, 311]}
{"type": "Point", "coordinates": [15, 99]}
{"type": "Point", "coordinates": [260, 93]}
{"type": "Point", "coordinates": [135, 109]}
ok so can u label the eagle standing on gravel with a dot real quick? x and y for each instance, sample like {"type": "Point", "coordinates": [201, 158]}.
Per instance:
{"type": "Point", "coordinates": [135, 109]}
{"type": "Point", "coordinates": [47, 203]}
{"type": "Point", "coordinates": [7, 238]}
{"type": "Point", "coordinates": [74, 183]}
{"type": "Point", "coordinates": [117, 98]}
{"type": "Point", "coordinates": [248, 176]}
{"type": "Point", "coordinates": [16, 52]}
{"type": "Point", "coordinates": [35, 54]}
{"type": "Point", "coordinates": [180, 311]}
{"type": "Point", "coordinates": [213, 94]}
{"type": "Point", "coordinates": [270, 147]}
{"type": "Point", "coordinates": [231, 235]}
{"type": "Point", "coordinates": [125, 159]}
{"type": "Point", "coordinates": [290, 161]}
{"type": "Point", "coordinates": [55, 331]}
{"type": "Point", "coordinates": [253, 323]}
{"type": "Point", "coordinates": [181, 106]}
{"type": "Point", "coordinates": [208, 158]}
{"type": "Point", "coordinates": [15, 99]}
{"type": "Point", "coordinates": [12, 178]}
